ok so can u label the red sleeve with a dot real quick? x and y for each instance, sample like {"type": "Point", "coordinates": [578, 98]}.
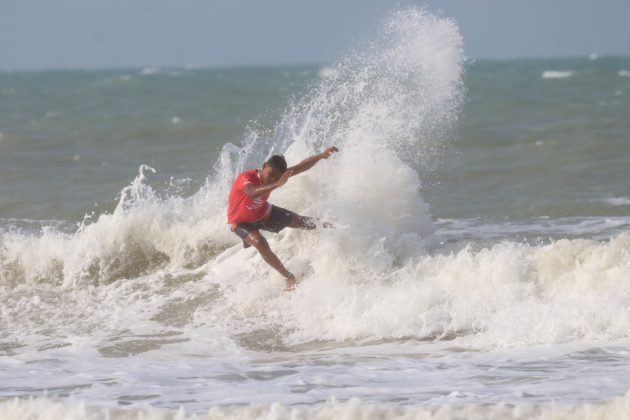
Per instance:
{"type": "Point", "coordinates": [247, 178]}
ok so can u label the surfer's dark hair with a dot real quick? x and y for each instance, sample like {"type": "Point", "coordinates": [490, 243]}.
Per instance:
{"type": "Point", "coordinates": [278, 162]}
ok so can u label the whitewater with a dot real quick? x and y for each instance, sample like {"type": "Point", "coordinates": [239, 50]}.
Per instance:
{"type": "Point", "coordinates": [153, 309]}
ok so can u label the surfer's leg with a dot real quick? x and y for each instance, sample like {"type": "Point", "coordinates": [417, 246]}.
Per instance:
{"type": "Point", "coordinates": [307, 223]}
{"type": "Point", "coordinates": [259, 242]}
{"type": "Point", "coordinates": [281, 218]}
{"type": "Point", "coordinates": [302, 222]}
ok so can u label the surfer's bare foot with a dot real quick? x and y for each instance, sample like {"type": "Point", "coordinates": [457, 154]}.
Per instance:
{"type": "Point", "coordinates": [291, 283]}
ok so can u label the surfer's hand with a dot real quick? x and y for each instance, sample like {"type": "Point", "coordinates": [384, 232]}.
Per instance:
{"type": "Point", "coordinates": [284, 177]}
{"type": "Point", "coordinates": [326, 153]}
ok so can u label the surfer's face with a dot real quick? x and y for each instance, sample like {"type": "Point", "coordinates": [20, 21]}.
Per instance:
{"type": "Point", "coordinates": [269, 174]}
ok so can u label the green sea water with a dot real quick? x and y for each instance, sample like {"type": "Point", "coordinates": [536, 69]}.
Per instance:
{"type": "Point", "coordinates": [527, 144]}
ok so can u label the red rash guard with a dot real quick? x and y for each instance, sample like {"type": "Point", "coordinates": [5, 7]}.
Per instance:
{"type": "Point", "coordinates": [241, 208]}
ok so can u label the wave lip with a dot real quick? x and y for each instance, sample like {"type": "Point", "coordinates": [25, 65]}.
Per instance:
{"type": "Point", "coordinates": [555, 74]}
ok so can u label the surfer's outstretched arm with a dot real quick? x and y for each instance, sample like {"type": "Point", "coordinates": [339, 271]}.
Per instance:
{"type": "Point", "coordinates": [308, 163]}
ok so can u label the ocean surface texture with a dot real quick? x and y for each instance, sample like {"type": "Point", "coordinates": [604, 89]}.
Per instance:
{"type": "Point", "coordinates": [480, 265]}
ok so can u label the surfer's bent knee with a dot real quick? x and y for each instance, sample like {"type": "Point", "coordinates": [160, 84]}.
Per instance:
{"type": "Point", "coordinates": [255, 239]}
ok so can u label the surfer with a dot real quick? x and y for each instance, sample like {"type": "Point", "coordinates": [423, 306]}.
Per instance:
{"type": "Point", "coordinates": [249, 211]}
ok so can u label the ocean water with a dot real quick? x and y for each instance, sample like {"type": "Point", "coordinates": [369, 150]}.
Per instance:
{"type": "Point", "coordinates": [480, 265]}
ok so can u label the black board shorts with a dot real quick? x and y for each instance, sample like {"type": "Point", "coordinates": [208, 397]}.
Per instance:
{"type": "Point", "coordinates": [277, 220]}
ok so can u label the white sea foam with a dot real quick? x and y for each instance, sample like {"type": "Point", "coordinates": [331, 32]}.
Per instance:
{"type": "Point", "coordinates": [501, 296]}
{"type": "Point", "coordinates": [552, 74]}
{"type": "Point", "coordinates": [43, 409]}
{"type": "Point", "coordinates": [373, 277]}
{"type": "Point", "coordinates": [624, 73]}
